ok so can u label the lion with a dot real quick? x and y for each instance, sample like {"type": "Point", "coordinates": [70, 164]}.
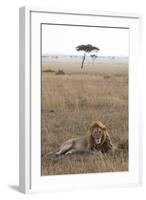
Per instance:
{"type": "Point", "coordinates": [97, 138]}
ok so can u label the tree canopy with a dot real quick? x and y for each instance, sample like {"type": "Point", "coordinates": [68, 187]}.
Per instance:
{"type": "Point", "coordinates": [87, 48]}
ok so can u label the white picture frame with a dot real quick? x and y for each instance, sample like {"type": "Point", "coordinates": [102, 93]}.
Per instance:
{"type": "Point", "coordinates": [30, 59]}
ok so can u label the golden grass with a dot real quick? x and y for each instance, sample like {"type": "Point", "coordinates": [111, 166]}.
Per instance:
{"type": "Point", "coordinates": [70, 102]}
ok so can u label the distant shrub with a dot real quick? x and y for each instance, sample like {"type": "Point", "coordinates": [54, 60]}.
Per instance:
{"type": "Point", "coordinates": [60, 72]}
{"type": "Point", "coordinates": [106, 76]}
{"type": "Point", "coordinates": [49, 70]}
{"type": "Point", "coordinates": [123, 144]}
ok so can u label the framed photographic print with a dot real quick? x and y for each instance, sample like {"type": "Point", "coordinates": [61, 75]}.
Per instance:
{"type": "Point", "coordinates": [79, 100]}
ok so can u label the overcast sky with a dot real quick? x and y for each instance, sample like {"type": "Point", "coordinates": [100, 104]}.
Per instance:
{"type": "Point", "coordinates": [58, 39]}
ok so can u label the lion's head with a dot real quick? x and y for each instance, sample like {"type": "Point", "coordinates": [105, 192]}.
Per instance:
{"type": "Point", "coordinates": [99, 138]}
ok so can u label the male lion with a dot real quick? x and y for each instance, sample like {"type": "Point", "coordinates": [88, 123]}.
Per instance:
{"type": "Point", "coordinates": [97, 138]}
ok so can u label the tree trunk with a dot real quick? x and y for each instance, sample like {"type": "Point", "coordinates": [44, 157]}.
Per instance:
{"type": "Point", "coordinates": [83, 61]}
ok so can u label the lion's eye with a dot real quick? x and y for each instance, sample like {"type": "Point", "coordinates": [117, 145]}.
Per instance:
{"type": "Point", "coordinates": [95, 131]}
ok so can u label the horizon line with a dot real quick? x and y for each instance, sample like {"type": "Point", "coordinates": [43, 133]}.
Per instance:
{"type": "Point", "coordinates": [53, 54]}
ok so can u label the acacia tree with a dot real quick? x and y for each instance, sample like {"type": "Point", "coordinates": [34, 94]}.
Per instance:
{"type": "Point", "coordinates": [87, 49]}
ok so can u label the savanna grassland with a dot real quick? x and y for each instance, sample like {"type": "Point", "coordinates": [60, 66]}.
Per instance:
{"type": "Point", "coordinates": [73, 98]}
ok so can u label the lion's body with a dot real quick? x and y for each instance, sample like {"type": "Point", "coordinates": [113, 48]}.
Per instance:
{"type": "Point", "coordinates": [97, 138]}
{"type": "Point", "coordinates": [74, 145]}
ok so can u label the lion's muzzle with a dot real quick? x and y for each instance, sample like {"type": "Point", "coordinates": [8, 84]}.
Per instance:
{"type": "Point", "coordinates": [98, 141]}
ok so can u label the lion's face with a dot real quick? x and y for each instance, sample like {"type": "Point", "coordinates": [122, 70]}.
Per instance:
{"type": "Point", "coordinates": [99, 137]}
{"type": "Point", "coordinates": [97, 134]}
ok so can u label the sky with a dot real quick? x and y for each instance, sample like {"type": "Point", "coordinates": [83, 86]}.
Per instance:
{"type": "Point", "coordinates": [59, 39]}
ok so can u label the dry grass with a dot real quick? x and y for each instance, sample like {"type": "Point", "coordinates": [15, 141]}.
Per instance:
{"type": "Point", "coordinates": [71, 101]}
